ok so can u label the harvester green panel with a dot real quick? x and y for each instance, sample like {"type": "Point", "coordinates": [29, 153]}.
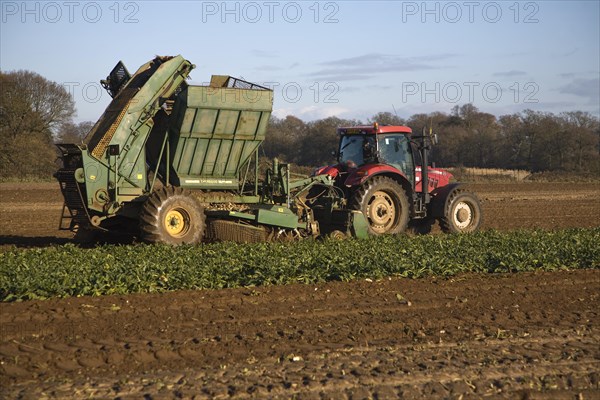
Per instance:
{"type": "Point", "coordinates": [273, 215]}
{"type": "Point", "coordinates": [278, 216]}
{"type": "Point", "coordinates": [360, 226]}
{"type": "Point", "coordinates": [219, 130]}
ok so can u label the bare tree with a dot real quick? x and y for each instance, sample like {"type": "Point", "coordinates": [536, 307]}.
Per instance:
{"type": "Point", "coordinates": [386, 118]}
{"type": "Point", "coordinates": [71, 132]}
{"type": "Point", "coordinates": [284, 137]}
{"type": "Point", "coordinates": [32, 110]}
{"type": "Point", "coordinates": [29, 103]}
{"type": "Point", "coordinates": [584, 131]}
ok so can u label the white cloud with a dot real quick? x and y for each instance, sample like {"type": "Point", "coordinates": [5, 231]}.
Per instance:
{"type": "Point", "coordinates": [511, 73]}
{"type": "Point", "coordinates": [374, 64]}
{"type": "Point", "coordinates": [311, 113]}
{"type": "Point", "coordinates": [589, 88]}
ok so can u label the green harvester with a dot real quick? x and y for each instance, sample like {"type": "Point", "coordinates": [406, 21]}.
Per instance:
{"type": "Point", "coordinates": [174, 163]}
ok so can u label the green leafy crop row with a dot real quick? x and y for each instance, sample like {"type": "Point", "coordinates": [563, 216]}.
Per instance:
{"type": "Point", "coordinates": [72, 271]}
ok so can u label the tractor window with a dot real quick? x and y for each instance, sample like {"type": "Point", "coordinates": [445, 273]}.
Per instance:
{"type": "Point", "coordinates": [395, 150]}
{"type": "Point", "coordinates": [356, 150]}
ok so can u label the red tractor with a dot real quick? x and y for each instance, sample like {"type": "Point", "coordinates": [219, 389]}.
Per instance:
{"type": "Point", "coordinates": [380, 171]}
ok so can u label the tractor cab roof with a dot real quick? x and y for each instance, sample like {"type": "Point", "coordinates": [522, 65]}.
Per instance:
{"type": "Point", "coordinates": [374, 129]}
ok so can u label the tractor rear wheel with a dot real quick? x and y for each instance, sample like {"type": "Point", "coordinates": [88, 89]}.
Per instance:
{"type": "Point", "coordinates": [462, 213]}
{"type": "Point", "coordinates": [385, 205]}
{"type": "Point", "coordinates": [173, 216]}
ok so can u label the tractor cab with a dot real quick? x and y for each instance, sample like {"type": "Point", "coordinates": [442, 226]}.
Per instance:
{"type": "Point", "coordinates": [367, 146]}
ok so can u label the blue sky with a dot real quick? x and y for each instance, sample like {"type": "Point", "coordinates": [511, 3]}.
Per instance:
{"type": "Point", "coordinates": [345, 58]}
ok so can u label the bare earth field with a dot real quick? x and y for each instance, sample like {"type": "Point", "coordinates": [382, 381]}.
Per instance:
{"type": "Point", "coordinates": [527, 335]}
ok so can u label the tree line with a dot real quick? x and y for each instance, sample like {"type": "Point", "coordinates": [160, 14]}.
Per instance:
{"type": "Point", "coordinates": [529, 140]}
{"type": "Point", "coordinates": [35, 113]}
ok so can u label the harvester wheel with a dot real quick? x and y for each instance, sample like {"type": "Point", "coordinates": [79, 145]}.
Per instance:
{"type": "Point", "coordinates": [385, 205]}
{"type": "Point", "coordinates": [173, 216]}
{"type": "Point", "coordinates": [462, 213]}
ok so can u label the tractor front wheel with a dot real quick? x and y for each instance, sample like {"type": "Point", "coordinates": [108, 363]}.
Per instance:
{"type": "Point", "coordinates": [385, 205]}
{"type": "Point", "coordinates": [462, 213]}
{"type": "Point", "coordinates": [173, 216]}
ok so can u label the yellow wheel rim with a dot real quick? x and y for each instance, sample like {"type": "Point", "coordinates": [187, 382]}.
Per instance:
{"type": "Point", "coordinates": [177, 222]}
{"type": "Point", "coordinates": [381, 212]}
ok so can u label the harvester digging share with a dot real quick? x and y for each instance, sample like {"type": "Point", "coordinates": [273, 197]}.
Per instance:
{"type": "Point", "coordinates": [176, 163]}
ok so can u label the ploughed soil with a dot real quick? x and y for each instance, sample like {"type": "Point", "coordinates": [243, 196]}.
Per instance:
{"type": "Point", "coordinates": [515, 336]}
{"type": "Point", "coordinates": [30, 212]}
{"type": "Point", "coordinates": [526, 335]}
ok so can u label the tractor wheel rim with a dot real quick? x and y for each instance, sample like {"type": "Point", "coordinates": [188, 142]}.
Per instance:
{"type": "Point", "coordinates": [463, 215]}
{"type": "Point", "coordinates": [177, 222]}
{"type": "Point", "coordinates": [381, 212]}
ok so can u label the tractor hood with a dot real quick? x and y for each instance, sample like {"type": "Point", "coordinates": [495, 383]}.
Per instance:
{"type": "Point", "coordinates": [351, 176]}
{"type": "Point", "coordinates": [437, 178]}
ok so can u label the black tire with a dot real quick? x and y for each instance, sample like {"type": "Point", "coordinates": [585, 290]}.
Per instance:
{"type": "Point", "coordinates": [462, 213]}
{"type": "Point", "coordinates": [385, 205]}
{"type": "Point", "coordinates": [86, 235]}
{"type": "Point", "coordinates": [89, 236]}
{"type": "Point", "coordinates": [173, 216]}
